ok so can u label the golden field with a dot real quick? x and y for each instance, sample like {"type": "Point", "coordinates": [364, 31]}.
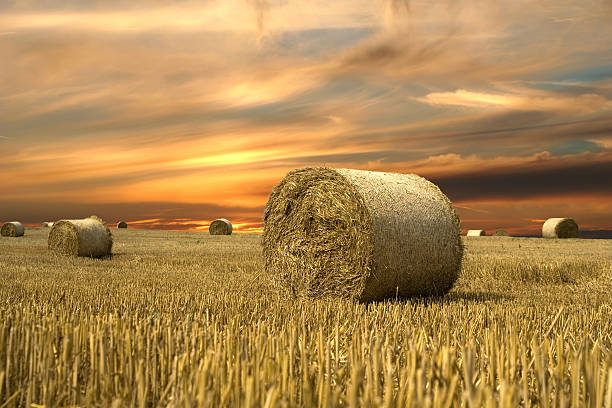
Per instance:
{"type": "Point", "coordinates": [185, 319]}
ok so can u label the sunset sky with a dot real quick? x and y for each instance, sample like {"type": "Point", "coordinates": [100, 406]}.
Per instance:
{"type": "Point", "coordinates": [168, 114]}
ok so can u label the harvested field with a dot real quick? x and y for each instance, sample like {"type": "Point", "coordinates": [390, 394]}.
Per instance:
{"type": "Point", "coordinates": [188, 319]}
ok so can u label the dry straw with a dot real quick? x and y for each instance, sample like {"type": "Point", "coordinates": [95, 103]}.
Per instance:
{"type": "Point", "coordinates": [86, 237]}
{"type": "Point", "coordinates": [122, 224]}
{"type": "Point", "coordinates": [12, 229]}
{"type": "Point", "coordinates": [360, 234]}
{"type": "Point", "coordinates": [476, 233]}
{"type": "Point", "coordinates": [560, 228]}
{"type": "Point", "coordinates": [501, 233]}
{"type": "Point", "coordinates": [220, 226]}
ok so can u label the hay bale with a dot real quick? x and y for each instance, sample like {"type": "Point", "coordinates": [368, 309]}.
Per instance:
{"type": "Point", "coordinates": [122, 224]}
{"type": "Point", "coordinates": [560, 228]}
{"type": "Point", "coordinates": [361, 235]}
{"type": "Point", "coordinates": [220, 226]}
{"type": "Point", "coordinates": [12, 229]}
{"type": "Point", "coordinates": [476, 233]}
{"type": "Point", "coordinates": [46, 224]}
{"type": "Point", "coordinates": [86, 237]}
{"type": "Point", "coordinates": [501, 233]}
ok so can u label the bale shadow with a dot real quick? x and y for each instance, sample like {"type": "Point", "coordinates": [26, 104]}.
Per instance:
{"type": "Point", "coordinates": [116, 255]}
{"type": "Point", "coordinates": [478, 296]}
{"type": "Point", "coordinates": [452, 297]}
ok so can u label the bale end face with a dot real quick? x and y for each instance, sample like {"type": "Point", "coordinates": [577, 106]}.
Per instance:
{"type": "Point", "coordinates": [87, 237]}
{"type": "Point", "coordinates": [220, 226]}
{"type": "Point", "coordinates": [64, 238]}
{"type": "Point", "coordinates": [122, 224]}
{"type": "Point", "coordinates": [360, 235]}
{"type": "Point", "coordinates": [12, 229]}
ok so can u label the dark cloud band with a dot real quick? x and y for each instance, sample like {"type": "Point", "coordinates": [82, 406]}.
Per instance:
{"type": "Point", "coordinates": [518, 183]}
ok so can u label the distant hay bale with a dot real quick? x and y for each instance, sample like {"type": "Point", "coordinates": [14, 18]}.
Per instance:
{"type": "Point", "coordinates": [12, 229]}
{"type": "Point", "coordinates": [86, 237]}
{"type": "Point", "coordinates": [560, 228]}
{"type": "Point", "coordinates": [46, 224]}
{"type": "Point", "coordinates": [220, 226]}
{"type": "Point", "coordinates": [501, 233]}
{"type": "Point", "coordinates": [360, 235]}
{"type": "Point", "coordinates": [122, 224]}
{"type": "Point", "coordinates": [476, 233]}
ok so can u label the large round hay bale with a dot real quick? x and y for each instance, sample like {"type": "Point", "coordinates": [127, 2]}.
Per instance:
{"type": "Point", "coordinates": [220, 226]}
{"type": "Point", "coordinates": [12, 229]}
{"type": "Point", "coordinates": [47, 224]}
{"type": "Point", "coordinates": [360, 234]}
{"type": "Point", "coordinates": [122, 224]}
{"type": "Point", "coordinates": [501, 233]}
{"type": "Point", "coordinates": [476, 233]}
{"type": "Point", "coordinates": [560, 228]}
{"type": "Point", "coordinates": [86, 237]}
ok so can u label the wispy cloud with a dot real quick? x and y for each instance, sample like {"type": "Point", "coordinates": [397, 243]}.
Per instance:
{"type": "Point", "coordinates": [525, 100]}
{"type": "Point", "coordinates": [230, 15]}
{"type": "Point", "coordinates": [261, 9]}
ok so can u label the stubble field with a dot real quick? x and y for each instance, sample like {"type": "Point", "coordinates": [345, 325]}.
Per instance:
{"type": "Point", "coordinates": [188, 319]}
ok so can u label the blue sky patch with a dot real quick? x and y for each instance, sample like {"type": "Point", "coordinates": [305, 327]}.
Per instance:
{"type": "Point", "coordinates": [574, 147]}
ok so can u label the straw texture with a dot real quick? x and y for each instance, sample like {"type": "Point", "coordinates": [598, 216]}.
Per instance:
{"type": "Point", "coordinates": [220, 226]}
{"type": "Point", "coordinates": [12, 229]}
{"type": "Point", "coordinates": [501, 233]}
{"type": "Point", "coordinates": [122, 224]}
{"type": "Point", "coordinates": [361, 235]}
{"type": "Point", "coordinates": [560, 228]}
{"type": "Point", "coordinates": [86, 237]}
{"type": "Point", "coordinates": [476, 233]}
